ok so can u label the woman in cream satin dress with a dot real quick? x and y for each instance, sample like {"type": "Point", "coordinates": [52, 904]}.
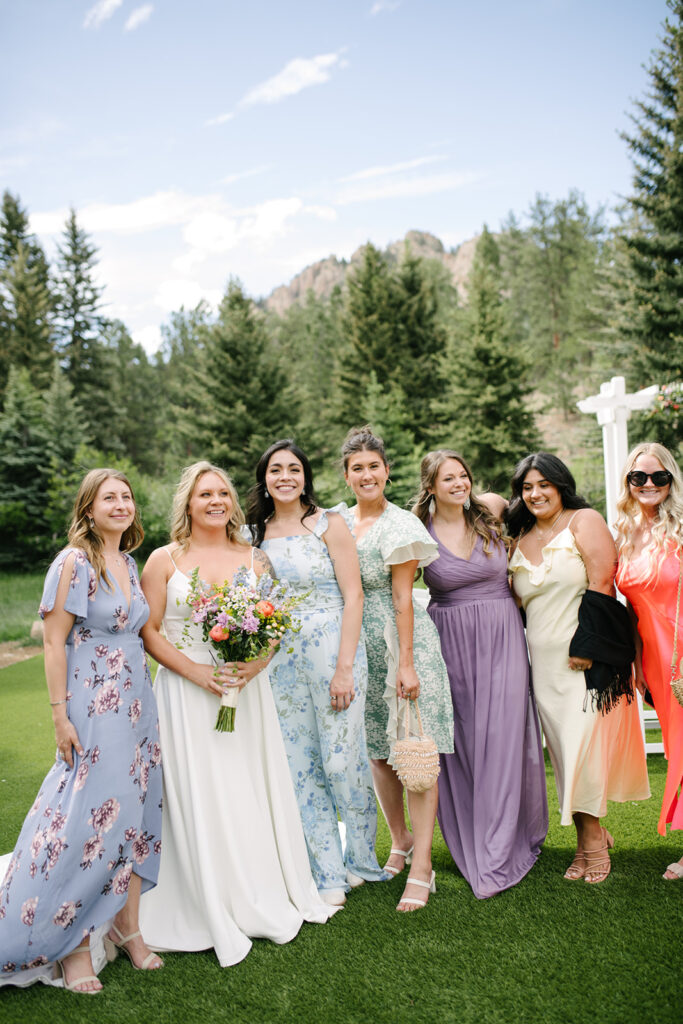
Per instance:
{"type": "Point", "coordinates": [563, 549]}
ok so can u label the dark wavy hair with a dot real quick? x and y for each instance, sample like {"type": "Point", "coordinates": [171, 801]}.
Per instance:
{"type": "Point", "coordinates": [261, 507]}
{"type": "Point", "coordinates": [517, 517]}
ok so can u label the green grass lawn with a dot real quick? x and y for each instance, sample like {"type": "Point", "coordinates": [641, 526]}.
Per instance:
{"type": "Point", "coordinates": [545, 952]}
{"type": "Point", "coordinates": [20, 595]}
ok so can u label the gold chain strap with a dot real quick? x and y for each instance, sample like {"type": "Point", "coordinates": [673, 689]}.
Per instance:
{"type": "Point", "coordinates": [674, 657]}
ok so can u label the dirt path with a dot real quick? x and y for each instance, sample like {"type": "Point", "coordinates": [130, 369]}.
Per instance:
{"type": "Point", "coordinates": [13, 651]}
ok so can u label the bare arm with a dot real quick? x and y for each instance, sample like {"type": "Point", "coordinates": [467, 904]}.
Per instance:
{"type": "Point", "coordinates": [344, 556]}
{"type": "Point", "coordinates": [154, 579]}
{"type": "Point", "coordinates": [494, 503]}
{"type": "Point", "coordinates": [599, 553]}
{"type": "Point", "coordinates": [57, 625]}
{"type": "Point", "coordinates": [597, 549]}
{"type": "Point", "coordinates": [402, 576]}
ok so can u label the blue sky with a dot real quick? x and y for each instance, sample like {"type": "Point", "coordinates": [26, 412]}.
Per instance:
{"type": "Point", "coordinates": [199, 139]}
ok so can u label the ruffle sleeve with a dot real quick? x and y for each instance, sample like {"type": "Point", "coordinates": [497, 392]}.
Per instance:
{"type": "Point", "coordinates": [403, 538]}
{"type": "Point", "coordinates": [321, 526]}
{"type": "Point", "coordinates": [82, 585]}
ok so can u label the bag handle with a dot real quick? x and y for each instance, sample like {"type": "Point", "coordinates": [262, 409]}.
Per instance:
{"type": "Point", "coordinates": [674, 656]}
{"type": "Point", "coordinates": [407, 718]}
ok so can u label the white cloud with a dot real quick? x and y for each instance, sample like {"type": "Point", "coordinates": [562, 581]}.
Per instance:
{"type": "Point", "coordinates": [377, 172]}
{"type": "Point", "coordinates": [138, 17]}
{"type": "Point", "coordinates": [149, 337]}
{"type": "Point", "coordinates": [406, 187]}
{"type": "Point", "coordinates": [221, 119]}
{"type": "Point", "coordinates": [177, 292]}
{"type": "Point", "coordinates": [384, 5]}
{"type": "Point", "coordinates": [298, 74]}
{"type": "Point", "coordinates": [230, 179]}
{"type": "Point", "coordinates": [100, 12]}
{"type": "Point", "coordinates": [162, 209]}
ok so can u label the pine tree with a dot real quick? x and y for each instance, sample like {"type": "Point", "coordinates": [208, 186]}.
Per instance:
{"type": "Point", "coordinates": [25, 321]}
{"type": "Point", "coordinates": [386, 410]}
{"type": "Point", "coordinates": [244, 409]}
{"type": "Point", "coordinates": [485, 400]}
{"type": "Point", "coordinates": [653, 297]}
{"type": "Point", "coordinates": [421, 343]}
{"type": "Point", "coordinates": [550, 273]}
{"type": "Point", "coordinates": [14, 232]}
{"type": "Point", "coordinates": [370, 326]}
{"type": "Point", "coordinates": [24, 473]}
{"type": "Point", "coordinates": [79, 322]}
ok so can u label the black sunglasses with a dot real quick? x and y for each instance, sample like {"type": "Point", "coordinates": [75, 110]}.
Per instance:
{"type": "Point", "coordinates": [660, 477]}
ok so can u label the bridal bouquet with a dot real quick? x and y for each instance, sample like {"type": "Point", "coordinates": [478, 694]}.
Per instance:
{"type": "Point", "coordinates": [243, 621]}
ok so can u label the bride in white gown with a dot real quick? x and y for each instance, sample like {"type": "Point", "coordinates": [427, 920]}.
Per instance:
{"type": "Point", "coordinates": [234, 864]}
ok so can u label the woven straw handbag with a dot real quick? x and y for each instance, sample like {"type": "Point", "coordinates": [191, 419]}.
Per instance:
{"type": "Point", "coordinates": [676, 678]}
{"type": "Point", "coordinates": [416, 759]}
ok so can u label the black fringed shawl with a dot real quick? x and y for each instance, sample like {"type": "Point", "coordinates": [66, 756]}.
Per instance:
{"type": "Point", "coordinates": [604, 635]}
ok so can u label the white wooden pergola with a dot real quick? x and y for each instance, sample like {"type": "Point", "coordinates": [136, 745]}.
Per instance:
{"type": "Point", "coordinates": [613, 408]}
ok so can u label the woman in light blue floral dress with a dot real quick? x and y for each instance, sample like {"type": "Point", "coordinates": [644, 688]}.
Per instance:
{"type": "Point", "coordinates": [319, 677]}
{"type": "Point", "coordinates": [404, 654]}
{"type": "Point", "coordinates": [91, 842]}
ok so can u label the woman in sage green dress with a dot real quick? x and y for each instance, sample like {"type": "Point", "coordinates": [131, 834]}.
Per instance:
{"type": "Point", "coordinates": [404, 655]}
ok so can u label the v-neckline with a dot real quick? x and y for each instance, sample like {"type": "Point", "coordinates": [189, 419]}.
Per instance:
{"type": "Point", "coordinates": [461, 558]}
{"type": "Point", "coordinates": [373, 525]}
{"type": "Point", "coordinates": [129, 601]}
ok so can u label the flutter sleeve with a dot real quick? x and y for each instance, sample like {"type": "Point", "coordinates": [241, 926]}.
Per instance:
{"type": "Point", "coordinates": [82, 585]}
{"type": "Point", "coordinates": [403, 538]}
{"type": "Point", "coordinates": [323, 522]}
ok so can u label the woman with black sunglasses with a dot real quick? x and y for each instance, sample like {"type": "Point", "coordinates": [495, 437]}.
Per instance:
{"type": "Point", "coordinates": [650, 538]}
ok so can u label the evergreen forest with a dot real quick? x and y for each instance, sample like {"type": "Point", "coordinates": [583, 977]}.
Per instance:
{"type": "Point", "coordinates": [559, 298]}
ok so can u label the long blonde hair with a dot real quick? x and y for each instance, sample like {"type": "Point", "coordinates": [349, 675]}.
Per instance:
{"type": "Point", "coordinates": [479, 519]}
{"type": "Point", "coordinates": [668, 524]}
{"type": "Point", "coordinates": [83, 533]}
{"type": "Point", "coordinates": [181, 521]}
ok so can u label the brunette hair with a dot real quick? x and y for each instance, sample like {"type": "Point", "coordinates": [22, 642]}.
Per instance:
{"type": "Point", "coordinates": [478, 517]}
{"type": "Point", "coordinates": [260, 505]}
{"type": "Point", "coordinates": [83, 532]}
{"type": "Point", "coordinates": [181, 521]}
{"type": "Point", "coordinates": [517, 516]}
{"type": "Point", "coordinates": [668, 524]}
{"type": "Point", "coordinates": [363, 439]}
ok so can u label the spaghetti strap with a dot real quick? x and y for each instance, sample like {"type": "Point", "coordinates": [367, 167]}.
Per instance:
{"type": "Point", "coordinates": [252, 559]}
{"type": "Point", "coordinates": [168, 552]}
{"type": "Point", "coordinates": [572, 518]}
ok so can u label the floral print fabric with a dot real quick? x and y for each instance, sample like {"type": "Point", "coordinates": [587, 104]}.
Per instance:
{"type": "Point", "coordinates": [94, 824]}
{"type": "Point", "coordinates": [397, 537]}
{"type": "Point", "coordinates": [326, 749]}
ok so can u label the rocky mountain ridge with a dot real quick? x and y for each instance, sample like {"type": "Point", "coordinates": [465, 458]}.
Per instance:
{"type": "Point", "coordinates": [324, 276]}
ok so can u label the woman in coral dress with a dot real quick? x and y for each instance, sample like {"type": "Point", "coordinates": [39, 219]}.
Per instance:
{"type": "Point", "coordinates": [650, 541]}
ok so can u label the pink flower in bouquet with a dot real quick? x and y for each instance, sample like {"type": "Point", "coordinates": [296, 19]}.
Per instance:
{"type": "Point", "coordinates": [265, 609]}
{"type": "Point", "coordinates": [249, 623]}
{"type": "Point", "coordinates": [219, 633]}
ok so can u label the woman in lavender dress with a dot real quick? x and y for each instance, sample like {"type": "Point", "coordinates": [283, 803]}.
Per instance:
{"type": "Point", "coordinates": [91, 842]}
{"type": "Point", "coordinates": [493, 808]}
